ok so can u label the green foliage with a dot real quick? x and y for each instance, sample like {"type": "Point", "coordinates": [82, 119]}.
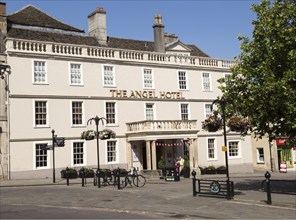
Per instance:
{"type": "Point", "coordinates": [186, 161]}
{"type": "Point", "coordinates": [161, 163]}
{"type": "Point", "coordinates": [263, 83]}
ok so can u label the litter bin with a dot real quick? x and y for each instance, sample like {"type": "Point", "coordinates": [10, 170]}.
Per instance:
{"type": "Point", "coordinates": [176, 175]}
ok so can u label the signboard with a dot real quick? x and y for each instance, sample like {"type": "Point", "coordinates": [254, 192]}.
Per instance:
{"type": "Point", "coordinates": [224, 148]}
{"type": "Point", "coordinates": [215, 187]}
{"type": "Point", "coordinates": [283, 166]}
{"type": "Point", "coordinates": [281, 141]}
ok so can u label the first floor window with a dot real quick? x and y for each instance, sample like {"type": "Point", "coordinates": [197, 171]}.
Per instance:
{"type": "Point", "coordinates": [111, 151]}
{"type": "Point", "coordinates": [233, 148]}
{"type": "Point", "coordinates": [41, 155]}
{"type": "Point", "coordinates": [40, 113]}
{"type": "Point", "coordinates": [184, 112]}
{"type": "Point", "coordinates": [77, 114]}
{"type": "Point", "coordinates": [149, 111]}
{"type": "Point", "coordinates": [211, 148]}
{"type": "Point", "coordinates": [208, 110]}
{"type": "Point", "coordinates": [260, 155]}
{"type": "Point", "coordinates": [110, 113]}
{"type": "Point", "coordinates": [78, 153]}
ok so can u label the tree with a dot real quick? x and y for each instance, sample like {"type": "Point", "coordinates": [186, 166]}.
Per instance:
{"type": "Point", "coordinates": [263, 83]}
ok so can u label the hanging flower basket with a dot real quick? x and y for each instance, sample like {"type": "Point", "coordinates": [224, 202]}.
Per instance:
{"type": "Point", "coordinates": [106, 134]}
{"type": "Point", "coordinates": [238, 123]}
{"type": "Point", "coordinates": [213, 123]}
{"type": "Point", "coordinates": [88, 135]}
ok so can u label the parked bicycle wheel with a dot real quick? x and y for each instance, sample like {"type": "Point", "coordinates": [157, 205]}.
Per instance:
{"type": "Point", "coordinates": [122, 182]}
{"type": "Point", "coordinates": [139, 181]}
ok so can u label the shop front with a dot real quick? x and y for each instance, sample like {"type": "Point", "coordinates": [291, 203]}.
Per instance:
{"type": "Point", "coordinates": [286, 155]}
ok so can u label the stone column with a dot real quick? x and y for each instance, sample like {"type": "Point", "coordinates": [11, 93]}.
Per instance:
{"type": "Point", "coordinates": [148, 155]}
{"type": "Point", "coordinates": [193, 154]}
{"type": "Point", "coordinates": [153, 146]}
{"type": "Point", "coordinates": [129, 157]}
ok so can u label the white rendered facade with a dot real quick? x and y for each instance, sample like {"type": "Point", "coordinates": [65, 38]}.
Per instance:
{"type": "Point", "coordinates": [154, 101]}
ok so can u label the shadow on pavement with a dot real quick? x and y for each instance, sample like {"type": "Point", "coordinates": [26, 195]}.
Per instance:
{"type": "Point", "coordinates": [280, 186]}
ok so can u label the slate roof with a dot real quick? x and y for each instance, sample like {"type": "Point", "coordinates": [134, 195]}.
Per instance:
{"type": "Point", "coordinates": [32, 16]}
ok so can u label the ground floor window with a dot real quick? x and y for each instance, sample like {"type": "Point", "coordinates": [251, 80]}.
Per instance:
{"type": "Point", "coordinates": [41, 155]}
{"type": "Point", "coordinates": [260, 155]}
{"type": "Point", "coordinates": [233, 149]}
{"type": "Point", "coordinates": [211, 149]}
{"type": "Point", "coordinates": [78, 153]}
{"type": "Point", "coordinates": [111, 151]}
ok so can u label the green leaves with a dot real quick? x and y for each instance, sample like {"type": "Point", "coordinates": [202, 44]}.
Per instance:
{"type": "Point", "coordinates": [263, 84]}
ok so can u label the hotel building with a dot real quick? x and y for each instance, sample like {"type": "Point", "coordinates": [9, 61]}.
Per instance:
{"type": "Point", "coordinates": [153, 94]}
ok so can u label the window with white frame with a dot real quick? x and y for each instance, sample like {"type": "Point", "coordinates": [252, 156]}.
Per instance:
{"type": "Point", "coordinates": [206, 81]}
{"type": "Point", "coordinates": [40, 75]}
{"type": "Point", "coordinates": [110, 113]}
{"type": "Point", "coordinates": [78, 153]}
{"type": "Point", "coordinates": [260, 155]}
{"type": "Point", "coordinates": [77, 113]}
{"type": "Point", "coordinates": [184, 112]}
{"type": "Point", "coordinates": [208, 110]}
{"type": "Point", "coordinates": [111, 151]}
{"type": "Point", "coordinates": [149, 110]}
{"type": "Point", "coordinates": [148, 79]}
{"type": "Point", "coordinates": [40, 113]}
{"type": "Point", "coordinates": [211, 149]}
{"type": "Point", "coordinates": [41, 157]}
{"type": "Point", "coordinates": [75, 74]}
{"type": "Point", "coordinates": [233, 149]}
{"type": "Point", "coordinates": [182, 80]}
{"type": "Point", "coordinates": [109, 77]}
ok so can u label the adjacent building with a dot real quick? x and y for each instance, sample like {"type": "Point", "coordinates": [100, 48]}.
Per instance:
{"type": "Point", "coordinates": [153, 94]}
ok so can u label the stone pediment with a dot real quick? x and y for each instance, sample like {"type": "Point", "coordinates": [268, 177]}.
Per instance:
{"type": "Point", "coordinates": [178, 47]}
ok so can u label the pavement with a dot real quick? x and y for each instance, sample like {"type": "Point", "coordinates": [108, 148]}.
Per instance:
{"type": "Point", "coordinates": [162, 199]}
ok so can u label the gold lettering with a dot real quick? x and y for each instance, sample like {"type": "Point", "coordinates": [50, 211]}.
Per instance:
{"type": "Point", "coordinates": [144, 94]}
{"type": "Point", "coordinates": [132, 94]}
{"type": "Point", "coordinates": [123, 93]}
{"type": "Point", "coordinates": [162, 95]}
{"type": "Point", "coordinates": [138, 94]}
{"type": "Point", "coordinates": [168, 95]}
{"type": "Point", "coordinates": [113, 92]}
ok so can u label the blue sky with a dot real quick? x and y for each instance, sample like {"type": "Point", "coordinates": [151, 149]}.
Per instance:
{"type": "Point", "coordinates": [212, 25]}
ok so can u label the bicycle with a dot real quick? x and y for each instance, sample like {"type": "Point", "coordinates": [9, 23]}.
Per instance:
{"type": "Point", "coordinates": [133, 177]}
{"type": "Point", "coordinates": [106, 178]}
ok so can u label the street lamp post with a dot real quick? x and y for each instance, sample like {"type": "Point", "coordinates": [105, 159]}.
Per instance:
{"type": "Point", "coordinates": [53, 155]}
{"type": "Point", "coordinates": [222, 103]}
{"type": "Point", "coordinates": [97, 120]}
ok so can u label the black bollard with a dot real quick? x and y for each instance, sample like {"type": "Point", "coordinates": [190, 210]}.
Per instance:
{"type": "Point", "coordinates": [118, 178]}
{"type": "Point", "coordinates": [82, 176]}
{"type": "Point", "coordinates": [193, 173]}
{"type": "Point", "coordinates": [67, 175]}
{"type": "Point", "coordinates": [268, 191]}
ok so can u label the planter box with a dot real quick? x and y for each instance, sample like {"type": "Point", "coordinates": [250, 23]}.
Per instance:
{"type": "Point", "coordinates": [70, 175]}
{"type": "Point", "coordinates": [87, 175]}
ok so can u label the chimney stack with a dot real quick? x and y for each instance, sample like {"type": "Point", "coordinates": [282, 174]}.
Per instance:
{"type": "Point", "coordinates": [97, 25]}
{"type": "Point", "coordinates": [3, 21]}
{"type": "Point", "coordinates": [2, 8]}
{"type": "Point", "coordinates": [158, 34]}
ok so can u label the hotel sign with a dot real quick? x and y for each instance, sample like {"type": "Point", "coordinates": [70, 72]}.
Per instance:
{"type": "Point", "coordinates": [145, 94]}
